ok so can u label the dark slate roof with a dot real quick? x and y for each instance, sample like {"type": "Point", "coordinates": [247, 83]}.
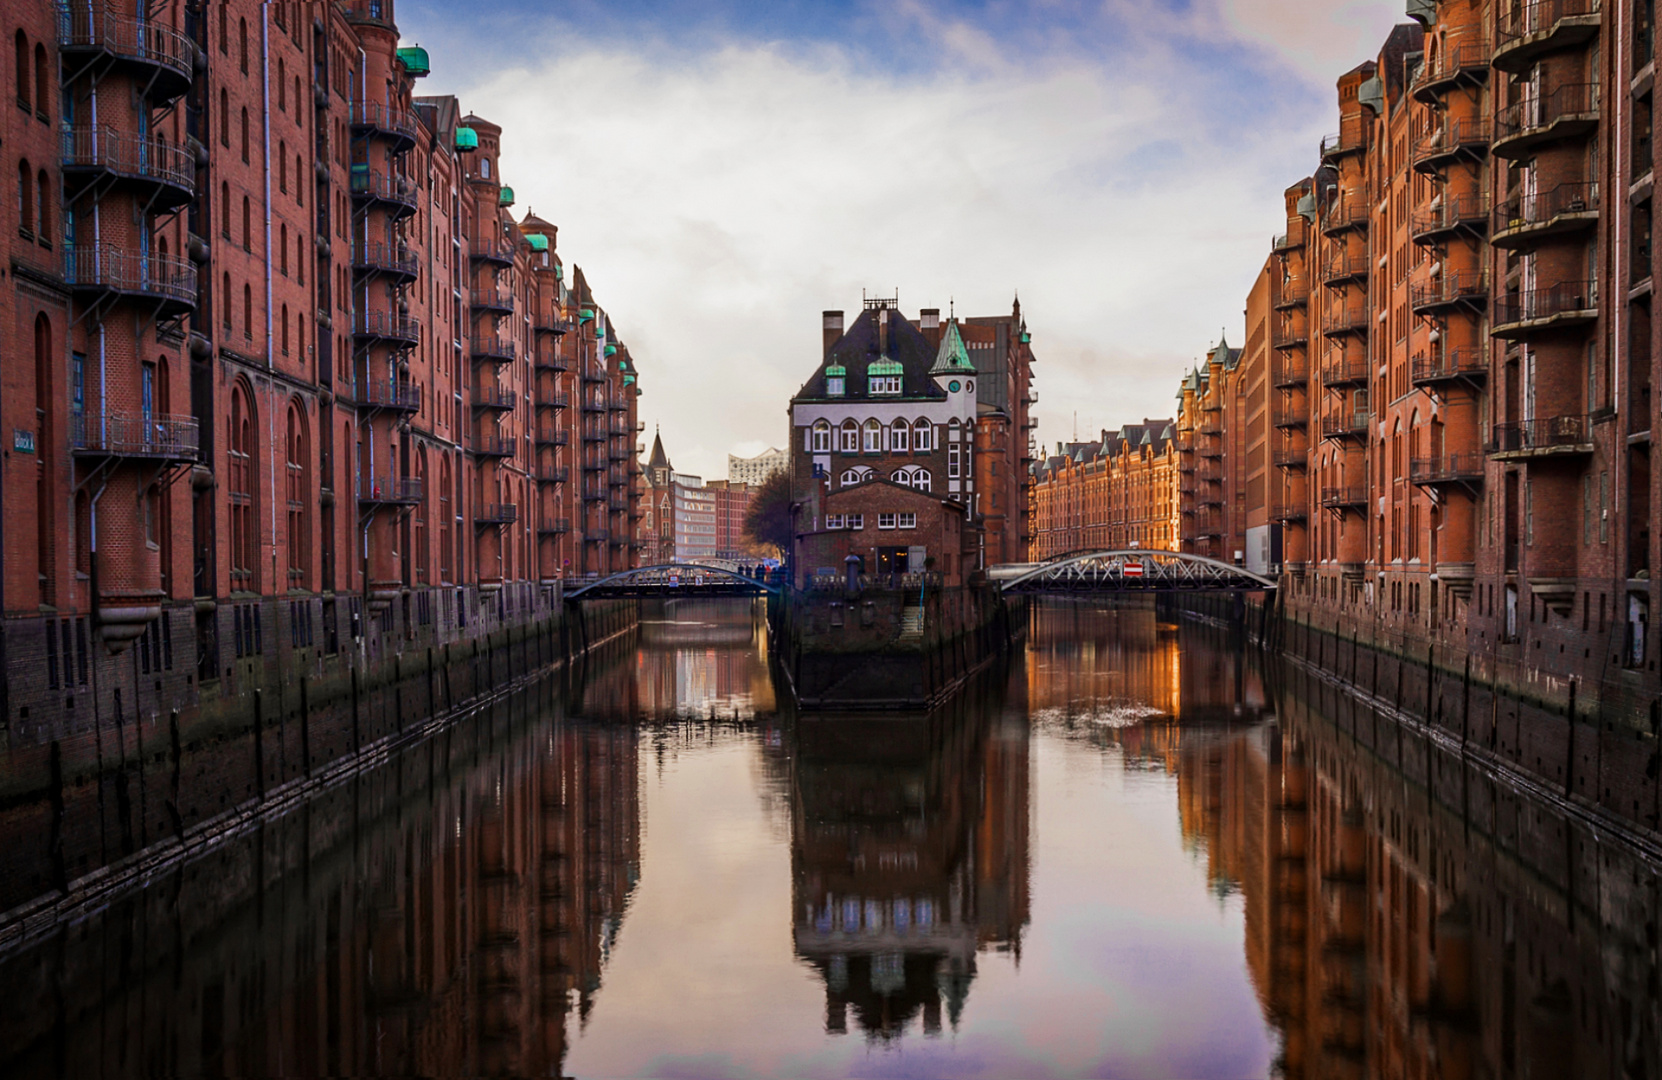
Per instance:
{"type": "Point", "coordinates": [857, 349]}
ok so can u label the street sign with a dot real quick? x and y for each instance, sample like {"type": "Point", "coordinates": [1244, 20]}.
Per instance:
{"type": "Point", "coordinates": [23, 441]}
{"type": "Point", "coordinates": [1132, 569]}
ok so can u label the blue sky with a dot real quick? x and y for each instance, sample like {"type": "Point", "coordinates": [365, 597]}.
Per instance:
{"type": "Point", "coordinates": [724, 171]}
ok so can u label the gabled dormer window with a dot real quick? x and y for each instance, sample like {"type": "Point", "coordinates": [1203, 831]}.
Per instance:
{"type": "Point", "coordinates": [836, 381]}
{"type": "Point", "coordinates": [884, 377]}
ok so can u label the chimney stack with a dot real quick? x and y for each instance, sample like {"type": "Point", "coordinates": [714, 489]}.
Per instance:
{"type": "Point", "coordinates": [831, 329]}
{"type": "Point", "coordinates": [882, 332]}
{"type": "Point", "coordinates": [929, 322]}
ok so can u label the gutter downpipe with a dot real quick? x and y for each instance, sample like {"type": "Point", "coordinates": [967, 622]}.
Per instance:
{"type": "Point", "coordinates": [270, 359]}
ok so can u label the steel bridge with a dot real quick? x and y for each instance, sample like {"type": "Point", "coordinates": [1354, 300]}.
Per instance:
{"type": "Point", "coordinates": [669, 581]}
{"type": "Point", "coordinates": [1128, 570]}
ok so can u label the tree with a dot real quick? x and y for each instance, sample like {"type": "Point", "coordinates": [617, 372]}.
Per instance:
{"type": "Point", "coordinates": [768, 520]}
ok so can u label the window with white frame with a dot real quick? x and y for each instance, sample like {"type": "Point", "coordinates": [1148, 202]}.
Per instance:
{"type": "Point", "coordinates": [856, 521]}
{"type": "Point", "coordinates": [884, 384]}
{"type": "Point", "coordinates": [885, 521]}
{"type": "Point", "coordinates": [913, 477]}
{"type": "Point", "coordinates": [874, 437]}
{"type": "Point", "coordinates": [899, 436]}
{"type": "Point", "coordinates": [833, 521]}
{"type": "Point", "coordinates": [954, 461]}
{"type": "Point", "coordinates": [922, 434]}
{"type": "Point", "coordinates": [907, 521]}
{"type": "Point", "coordinates": [860, 475]}
{"type": "Point", "coordinates": [849, 441]}
{"type": "Point", "coordinates": [822, 436]}
{"type": "Point", "coordinates": [835, 386]}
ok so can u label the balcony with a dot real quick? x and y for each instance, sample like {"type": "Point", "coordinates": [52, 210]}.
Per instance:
{"type": "Point", "coordinates": [389, 490]}
{"type": "Point", "coordinates": [488, 514]}
{"type": "Point", "coordinates": [1285, 338]}
{"type": "Point", "coordinates": [592, 434]}
{"type": "Point", "coordinates": [1345, 372]}
{"type": "Point", "coordinates": [553, 474]}
{"type": "Point", "coordinates": [1285, 374]}
{"type": "Point", "coordinates": [103, 272]}
{"type": "Point", "coordinates": [596, 536]}
{"type": "Point", "coordinates": [492, 348]}
{"type": "Point", "coordinates": [491, 301]}
{"type": "Point", "coordinates": [1346, 270]}
{"type": "Point", "coordinates": [556, 527]}
{"type": "Point", "coordinates": [395, 126]}
{"type": "Point", "coordinates": [1208, 526]}
{"type": "Point", "coordinates": [1462, 138]}
{"type": "Point", "coordinates": [374, 326]}
{"type": "Point", "coordinates": [1567, 304]}
{"type": "Point", "coordinates": [1345, 497]}
{"type": "Point", "coordinates": [621, 426]}
{"type": "Point", "coordinates": [1290, 416]}
{"type": "Point", "coordinates": [492, 446]}
{"type": "Point", "coordinates": [1450, 365]}
{"type": "Point", "coordinates": [495, 252]}
{"type": "Point", "coordinates": [618, 504]}
{"type": "Point", "coordinates": [551, 360]}
{"type": "Point", "coordinates": [547, 324]}
{"type": "Point", "coordinates": [618, 453]}
{"type": "Point", "coordinates": [396, 193]}
{"type": "Point", "coordinates": [553, 437]}
{"type": "Point", "coordinates": [1291, 240]}
{"type": "Point", "coordinates": [388, 394]}
{"type": "Point", "coordinates": [1343, 144]}
{"type": "Point", "coordinates": [126, 435]}
{"type": "Point", "coordinates": [550, 400]}
{"type": "Point", "coordinates": [1569, 112]}
{"type": "Point", "coordinates": [373, 12]}
{"type": "Point", "coordinates": [1460, 213]}
{"type": "Point", "coordinates": [594, 494]}
{"type": "Point", "coordinates": [592, 373]}
{"type": "Point", "coordinates": [1470, 287]}
{"type": "Point", "coordinates": [1291, 296]}
{"type": "Point", "coordinates": [1557, 436]}
{"type": "Point", "coordinates": [1530, 30]}
{"type": "Point", "coordinates": [161, 58]}
{"type": "Point", "coordinates": [1462, 469]}
{"type": "Point", "coordinates": [1347, 320]}
{"type": "Point", "coordinates": [494, 399]}
{"type": "Point", "coordinates": [1346, 424]}
{"type": "Point", "coordinates": [381, 258]}
{"type": "Point", "coordinates": [160, 173]}
{"type": "Point", "coordinates": [1461, 63]}
{"type": "Point", "coordinates": [1284, 458]}
{"type": "Point", "coordinates": [1526, 219]}
{"type": "Point", "coordinates": [1288, 511]}
{"type": "Point", "coordinates": [1346, 216]}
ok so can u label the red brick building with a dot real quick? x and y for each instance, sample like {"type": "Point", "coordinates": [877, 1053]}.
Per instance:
{"type": "Point", "coordinates": [283, 369]}
{"type": "Point", "coordinates": [1118, 492]}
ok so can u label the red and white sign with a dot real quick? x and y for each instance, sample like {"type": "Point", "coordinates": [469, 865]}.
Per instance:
{"type": "Point", "coordinates": [1132, 569]}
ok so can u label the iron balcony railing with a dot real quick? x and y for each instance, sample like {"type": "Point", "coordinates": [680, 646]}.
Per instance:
{"type": "Point", "coordinates": [1289, 338]}
{"type": "Point", "coordinates": [1459, 59]}
{"type": "Point", "coordinates": [166, 438]}
{"type": "Point", "coordinates": [550, 400]}
{"type": "Point", "coordinates": [1468, 211]}
{"type": "Point", "coordinates": [1460, 287]}
{"type": "Point", "coordinates": [1532, 118]}
{"type": "Point", "coordinates": [1290, 459]}
{"type": "Point", "coordinates": [555, 527]}
{"type": "Point", "coordinates": [1345, 423]}
{"type": "Point", "coordinates": [1289, 511]}
{"type": "Point", "coordinates": [377, 12]}
{"type": "Point", "coordinates": [499, 446]}
{"type": "Point", "coordinates": [490, 347]}
{"type": "Point", "coordinates": [494, 397]}
{"type": "Point", "coordinates": [400, 490]}
{"type": "Point", "coordinates": [94, 26]}
{"type": "Point", "coordinates": [548, 324]}
{"type": "Point", "coordinates": [1347, 141]}
{"type": "Point", "coordinates": [128, 155]}
{"type": "Point", "coordinates": [1454, 468]}
{"type": "Point", "coordinates": [594, 492]}
{"type": "Point", "coordinates": [389, 394]}
{"type": "Point", "coordinates": [621, 426]}
{"type": "Point", "coordinates": [1565, 207]}
{"type": "Point", "coordinates": [1291, 296]}
{"type": "Point", "coordinates": [1345, 268]}
{"type": "Point", "coordinates": [384, 120]}
{"type": "Point", "coordinates": [1557, 433]}
{"type": "Point", "coordinates": [1346, 371]}
{"type": "Point", "coordinates": [1465, 135]}
{"type": "Point", "coordinates": [1346, 495]}
{"type": "Point", "coordinates": [1347, 215]}
{"type": "Point", "coordinates": [1290, 416]}
{"type": "Point", "coordinates": [553, 437]}
{"type": "Point", "coordinates": [1285, 373]}
{"type": "Point", "coordinates": [618, 503]}
{"type": "Point", "coordinates": [382, 187]}
{"type": "Point", "coordinates": [1291, 240]}
{"type": "Point", "coordinates": [1516, 21]}
{"type": "Point", "coordinates": [551, 360]}
{"type": "Point", "coordinates": [492, 300]}
{"type": "Point", "coordinates": [385, 326]}
{"type": "Point", "coordinates": [1346, 320]}
{"type": "Point", "coordinates": [105, 267]}
{"type": "Point", "coordinates": [1567, 299]}
{"type": "Point", "coordinates": [554, 474]}
{"type": "Point", "coordinates": [597, 536]}
{"type": "Point", "coordinates": [1460, 363]}
{"type": "Point", "coordinates": [383, 257]}
{"type": "Point", "coordinates": [486, 249]}
{"type": "Point", "coordinates": [496, 514]}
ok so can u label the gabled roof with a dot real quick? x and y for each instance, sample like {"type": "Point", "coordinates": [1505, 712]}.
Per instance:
{"type": "Point", "coordinates": [659, 459]}
{"type": "Point", "coordinates": [898, 348]}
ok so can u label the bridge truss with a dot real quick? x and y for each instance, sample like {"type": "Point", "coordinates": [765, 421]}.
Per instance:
{"type": "Point", "coordinates": [1130, 570]}
{"type": "Point", "coordinates": [669, 581]}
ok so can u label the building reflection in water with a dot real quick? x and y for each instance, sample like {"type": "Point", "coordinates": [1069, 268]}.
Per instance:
{"type": "Point", "coordinates": [697, 660]}
{"type": "Point", "coordinates": [909, 855]}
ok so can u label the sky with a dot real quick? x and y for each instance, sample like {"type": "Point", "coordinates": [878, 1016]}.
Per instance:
{"type": "Point", "coordinates": [723, 171]}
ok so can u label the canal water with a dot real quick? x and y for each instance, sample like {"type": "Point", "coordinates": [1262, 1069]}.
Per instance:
{"type": "Point", "coordinates": [1134, 850]}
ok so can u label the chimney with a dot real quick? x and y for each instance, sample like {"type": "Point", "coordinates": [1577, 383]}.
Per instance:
{"type": "Point", "coordinates": [832, 328]}
{"type": "Point", "coordinates": [929, 322]}
{"type": "Point", "coordinates": [882, 332]}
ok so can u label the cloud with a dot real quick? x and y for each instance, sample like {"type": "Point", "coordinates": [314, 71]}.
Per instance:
{"type": "Point", "coordinates": [1124, 175]}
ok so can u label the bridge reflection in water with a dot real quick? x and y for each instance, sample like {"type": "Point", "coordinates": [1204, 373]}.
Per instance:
{"type": "Point", "coordinates": [1132, 853]}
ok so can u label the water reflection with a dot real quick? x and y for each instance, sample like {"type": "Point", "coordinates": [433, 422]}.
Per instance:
{"type": "Point", "coordinates": [1131, 853]}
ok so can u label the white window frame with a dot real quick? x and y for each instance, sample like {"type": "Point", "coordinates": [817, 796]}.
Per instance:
{"type": "Point", "coordinates": [907, 520]}
{"type": "Point", "coordinates": [873, 441]}
{"type": "Point", "coordinates": [923, 436]}
{"type": "Point", "coordinates": [954, 461]}
{"type": "Point", "coordinates": [836, 385]}
{"type": "Point", "coordinates": [856, 521]}
{"type": "Point", "coordinates": [833, 521]}
{"type": "Point", "coordinates": [879, 385]}
{"type": "Point", "coordinates": [849, 441]}
{"type": "Point", "coordinates": [821, 437]}
{"type": "Point", "coordinates": [885, 521]}
{"type": "Point", "coordinates": [900, 437]}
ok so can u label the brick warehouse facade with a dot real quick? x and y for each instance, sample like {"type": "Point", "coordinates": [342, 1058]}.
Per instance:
{"type": "Point", "coordinates": [284, 378]}
{"type": "Point", "coordinates": [1454, 400]}
{"type": "Point", "coordinates": [1118, 492]}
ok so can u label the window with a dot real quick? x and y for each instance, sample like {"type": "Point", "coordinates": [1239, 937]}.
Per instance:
{"type": "Point", "coordinates": [836, 385]}
{"type": "Point", "coordinates": [247, 226]}
{"type": "Point", "coordinates": [922, 433]}
{"type": "Point", "coordinates": [954, 461]}
{"type": "Point", "coordinates": [43, 209]}
{"type": "Point", "coordinates": [25, 200]}
{"type": "Point", "coordinates": [907, 521]}
{"type": "Point", "coordinates": [23, 101]}
{"type": "Point", "coordinates": [849, 438]}
{"type": "Point", "coordinates": [885, 521]}
{"type": "Point", "coordinates": [833, 521]}
{"type": "Point", "coordinates": [282, 81]}
{"type": "Point", "coordinates": [821, 438]}
{"type": "Point", "coordinates": [282, 166]}
{"type": "Point", "coordinates": [900, 436]}
{"type": "Point", "coordinates": [856, 521]}
{"type": "Point", "coordinates": [224, 119]}
{"type": "Point", "coordinates": [248, 312]}
{"type": "Point", "coordinates": [283, 251]}
{"type": "Point", "coordinates": [883, 384]}
{"type": "Point", "coordinates": [225, 209]}
{"type": "Point", "coordinates": [242, 38]}
{"type": "Point", "coordinates": [226, 293]}
{"type": "Point", "coordinates": [245, 158]}
{"type": "Point", "coordinates": [240, 490]}
{"type": "Point", "coordinates": [299, 522]}
{"type": "Point", "coordinates": [874, 437]}
{"type": "Point", "coordinates": [43, 81]}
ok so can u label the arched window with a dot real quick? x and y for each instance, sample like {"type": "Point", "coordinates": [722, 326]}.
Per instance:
{"type": "Point", "coordinates": [240, 489]}
{"type": "Point", "coordinates": [245, 158]}
{"type": "Point", "coordinates": [25, 199]}
{"type": "Point", "coordinates": [922, 436]}
{"type": "Point", "coordinates": [283, 250]}
{"type": "Point", "coordinates": [45, 541]}
{"type": "Point", "coordinates": [225, 292]}
{"type": "Point", "coordinates": [248, 311]}
{"type": "Point", "coordinates": [420, 515]}
{"type": "Point", "coordinates": [299, 498]}
{"type": "Point", "coordinates": [23, 71]}
{"type": "Point", "coordinates": [446, 517]}
{"type": "Point", "coordinates": [282, 83]}
{"type": "Point", "coordinates": [821, 440]}
{"type": "Point", "coordinates": [299, 182]}
{"type": "Point", "coordinates": [857, 475]}
{"type": "Point", "coordinates": [285, 329]}
{"type": "Point", "coordinates": [242, 42]}
{"type": "Point", "coordinates": [225, 209]}
{"type": "Point", "coordinates": [224, 31]}
{"type": "Point", "coordinates": [43, 82]}
{"type": "Point", "coordinates": [43, 209]}
{"type": "Point", "coordinates": [224, 117]}
{"type": "Point", "coordinates": [849, 441]}
{"type": "Point", "coordinates": [874, 437]}
{"type": "Point", "coordinates": [900, 436]}
{"type": "Point", "coordinates": [247, 225]}
{"type": "Point", "coordinates": [282, 166]}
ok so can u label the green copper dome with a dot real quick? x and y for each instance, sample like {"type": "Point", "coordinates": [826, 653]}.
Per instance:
{"type": "Point", "coordinates": [467, 140]}
{"type": "Point", "coordinates": [505, 197]}
{"type": "Point", "coordinates": [611, 350]}
{"type": "Point", "coordinates": [585, 315]}
{"type": "Point", "coordinates": [628, 380]}
{"type": "Point", "coordinates": [537, 241]}
{"type": "Point", "coordinates": [415, 61]}
{"type": "Point", "coordinates": [834, 370]}
{"type": "Point", "coordinates": [885, 367]}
